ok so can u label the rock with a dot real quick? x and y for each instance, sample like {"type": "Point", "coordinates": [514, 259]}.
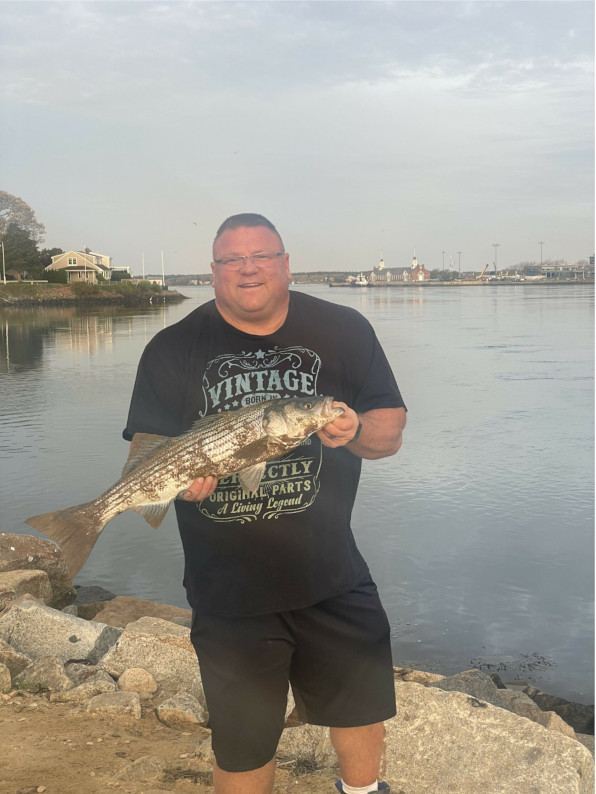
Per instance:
{"type": "Point", "coordinates": [71, 610]}
{"type": "Point", "coordinates": [136, 679]}
{"type": "Point", "coordinates": [417, 676]}
{"type": "Point", "coordinates": [163, 649]}
{"type": "Point", "coordinates": [99, 684]}
{"type": "Point", "coordinates": [5, 679]}
{"type": "Point", "coordinates": [580, 717]}
{"type": "Point", "coordinates": [143, 767]}
{"type": "Point", "coordinates": [116, 704]}
{"type": "Point", "coordinates": [445, 741]}
{"type": "Point", "coordinates": [475, 683]}
{"type": "Point", "coordinates": [16, 662]}
{"type": "Point", "coordinates": [524, 706]}
{"type": "Point", "coordinates": [308, 744]}
{"type": "Point", "coordinates": [79, 672]}
{"type": "Point", "coordinates": [587, 740]}
{"type": "Point", "coordinates": [47, 672]}
{"type": "Point", "coordinates": [16, 583]}
{"type": "Point", "coordinates": [182, 711]}
{"type": "Point", "coordinates": [26, 552]}
{"type": "Point", "coordinates": [87, 594]}
{"type": "Point", "coordinates": [122, 610]}
{"type": "Point", "coordinates": [36, 630]}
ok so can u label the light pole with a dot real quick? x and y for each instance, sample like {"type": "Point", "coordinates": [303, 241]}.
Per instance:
{"type": "Point", "coordinates": [495, 246]}
{"type": "Point", "coordinates": [459, 262]}
{"type": "Point", "coordinates": [540, 243]}
{"type": "Point", "coordinates": [444, 264]}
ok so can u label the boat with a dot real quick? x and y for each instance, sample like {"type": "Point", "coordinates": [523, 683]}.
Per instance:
{"type": "Point", "coordinates": [360, 281]}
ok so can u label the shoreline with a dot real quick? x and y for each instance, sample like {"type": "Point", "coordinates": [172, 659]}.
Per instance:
{"type": "Point", "coordinates": [34, 294]}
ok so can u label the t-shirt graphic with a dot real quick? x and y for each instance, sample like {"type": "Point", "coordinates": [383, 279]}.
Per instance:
{"type": "Point", "coordinates": [290, 483]}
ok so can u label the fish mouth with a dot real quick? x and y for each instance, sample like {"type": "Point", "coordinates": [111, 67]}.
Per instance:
{"type": "Point", "coordinates": [328, 409]}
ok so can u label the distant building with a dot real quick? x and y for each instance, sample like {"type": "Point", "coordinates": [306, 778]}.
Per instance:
{"type": "Point", "coordinates": [565, 271]}
{"type": "Point", "coordinates": [82, 266]}
{"type": "Point", "coordinates": [385, 275]}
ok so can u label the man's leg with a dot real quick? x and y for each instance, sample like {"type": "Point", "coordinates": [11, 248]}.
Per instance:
{"type": "Point", "coordinates": [359, 751]}
{"type": "Point", "coordinates": [257, 781]}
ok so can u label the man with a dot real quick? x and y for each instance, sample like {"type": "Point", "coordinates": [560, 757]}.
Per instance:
{"type": "Point", "coordinates": [278, 589]}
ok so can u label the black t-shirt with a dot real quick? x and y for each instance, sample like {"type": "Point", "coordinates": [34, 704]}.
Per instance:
{"type": "Point", "coordinates": [291, 544]}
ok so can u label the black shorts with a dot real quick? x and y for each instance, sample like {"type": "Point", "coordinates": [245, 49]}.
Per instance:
{"type": "Point", "coordinates": [336, 654]}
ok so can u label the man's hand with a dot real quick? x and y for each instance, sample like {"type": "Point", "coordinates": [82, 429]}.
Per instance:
{"type": "Point", "coordinates": [380, 435]}
{"type": "Point", "coordinates": [200, 489]}
{"type": "Point", "coordinates": [342, 430]}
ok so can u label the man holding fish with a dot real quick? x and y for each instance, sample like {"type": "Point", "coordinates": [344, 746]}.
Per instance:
{"type": "Point", "coordinates": [279, 591]}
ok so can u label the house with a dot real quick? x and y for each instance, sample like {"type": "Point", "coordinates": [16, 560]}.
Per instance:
{"type": "Point", "coordinates": [82, 266]}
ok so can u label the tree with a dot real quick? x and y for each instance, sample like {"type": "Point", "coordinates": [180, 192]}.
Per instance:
{"type": "Point", "coordinates": [46, 254]}
{"type": "Point", "coordinates": [14, 210]}
{"type": "Point", "coordinates": [20, 251]}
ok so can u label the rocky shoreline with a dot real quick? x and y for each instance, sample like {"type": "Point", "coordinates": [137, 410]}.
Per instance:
{"type": "Point", "coordinates": [128, 665]}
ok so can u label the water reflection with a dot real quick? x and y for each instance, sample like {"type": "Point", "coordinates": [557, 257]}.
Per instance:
{"type": "Point", "coordinates": [479, 533]}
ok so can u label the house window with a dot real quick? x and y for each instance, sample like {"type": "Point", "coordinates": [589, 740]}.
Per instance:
{"type": "Point", "coordinates": [72, 260]}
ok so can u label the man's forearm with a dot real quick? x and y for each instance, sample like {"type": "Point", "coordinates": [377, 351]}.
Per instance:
{"type": "Point", "coordinates": [380, 434]}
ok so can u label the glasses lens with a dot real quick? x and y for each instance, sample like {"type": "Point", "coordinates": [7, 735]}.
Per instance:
{"type": "Point", "coordinates": [235, 262]}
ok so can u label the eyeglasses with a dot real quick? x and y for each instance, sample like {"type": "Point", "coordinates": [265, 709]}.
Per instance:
{"type": "Point", "coordinates": [236, 262]}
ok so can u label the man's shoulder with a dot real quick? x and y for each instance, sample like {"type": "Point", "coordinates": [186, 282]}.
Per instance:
{"type": "Point", "coordinates": [187, 327]}
{"type": "Point", "coordinates": [324, 308]}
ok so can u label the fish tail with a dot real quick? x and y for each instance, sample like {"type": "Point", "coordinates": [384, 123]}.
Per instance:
{"type": "Point", "coordinates": [75, 529]}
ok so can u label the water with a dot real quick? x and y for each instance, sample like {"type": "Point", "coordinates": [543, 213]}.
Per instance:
{"type": "Point", "coordinates": [479, 532]}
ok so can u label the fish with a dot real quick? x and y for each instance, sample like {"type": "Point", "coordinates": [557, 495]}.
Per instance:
{"type": "Point", "coordinates": [160, 468]}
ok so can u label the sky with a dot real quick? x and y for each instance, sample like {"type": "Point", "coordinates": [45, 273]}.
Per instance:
{"type": "Point", "coordinates": [456, 131]}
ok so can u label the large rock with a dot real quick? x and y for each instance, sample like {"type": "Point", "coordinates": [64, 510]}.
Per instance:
{"type": "Point", "coordinates": [122, 610]}
{"type": "Point", "coordinates": [580, 717]}
{"type": "Point", "coordinates": [98, 684]}
{"type": "Point", "coordinates": [163, 649]}
{"type": "Point", "coordinates": [116, 704]}
{"type": "Point", "coordinates": [16, 583]}
{"type": "Point", "coordinates": [37, 630]}
{"type": "Point", "coordinates": [16, 662]}
{"type": "Point", "coordinates": [182, 711]}
{"type": "Point", "coordinates": [27, 552]}
{"type": "Point", "coordinates": [309, 744]}
{"type": "Point", "coordinates": [475, 683]}
{"type": "Point", "coordinates": [524, 706]}
{"type": "Point", "coordinates": [444, 742]}
{"type": "Point", "coordinates": [47, 672]}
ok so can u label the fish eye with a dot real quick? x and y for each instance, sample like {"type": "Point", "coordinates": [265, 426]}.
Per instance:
{"type": "Point", "coordinates": [307, 406]}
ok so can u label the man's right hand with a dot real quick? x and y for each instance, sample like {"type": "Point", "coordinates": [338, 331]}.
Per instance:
{"type": "Point", "coordinates": [200, 489]}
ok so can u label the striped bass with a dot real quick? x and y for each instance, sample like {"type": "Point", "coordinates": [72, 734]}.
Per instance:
{"type": "Point", "coordinates": [159, 467]}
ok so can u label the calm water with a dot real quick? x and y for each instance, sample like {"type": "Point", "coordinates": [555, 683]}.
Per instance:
{"type": "Point", "coordinates": [479, 532]}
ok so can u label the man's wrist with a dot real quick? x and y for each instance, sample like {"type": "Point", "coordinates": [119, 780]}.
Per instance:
{"type": "Point", "coordinates": [357, 433]}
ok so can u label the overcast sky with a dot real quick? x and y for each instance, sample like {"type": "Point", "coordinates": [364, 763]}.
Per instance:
{"type": "Point", "coordinates": [356, 127]}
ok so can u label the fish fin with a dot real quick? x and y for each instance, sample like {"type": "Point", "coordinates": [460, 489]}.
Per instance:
{"type": "Point", "coordinates": [75, 529]}
{"type": "Point", "coordinates": [250, 478]}
{"type": "Point", "coordinates": [153, 513]}
{"type": "Point", "coordinates": [145, 443]}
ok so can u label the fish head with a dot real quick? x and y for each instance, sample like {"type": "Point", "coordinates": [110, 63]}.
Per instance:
{"type": "Point", "coordinates": [294, 419]}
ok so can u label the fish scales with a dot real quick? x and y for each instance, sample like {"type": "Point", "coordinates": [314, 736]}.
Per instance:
{"type": "Point", "coordinates": [238, 441]}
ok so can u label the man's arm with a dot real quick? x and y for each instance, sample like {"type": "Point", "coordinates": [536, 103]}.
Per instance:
{"type": "Point", "coordinates": [379, 436]}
